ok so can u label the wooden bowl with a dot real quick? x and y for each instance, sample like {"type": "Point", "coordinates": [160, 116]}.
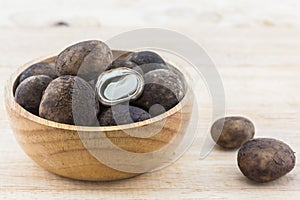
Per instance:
{"type": "Point", "coordinates": [70, 151]}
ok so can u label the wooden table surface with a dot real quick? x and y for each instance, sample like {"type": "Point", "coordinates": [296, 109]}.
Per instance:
{"type": "Point", "coordinates": [260, 68]}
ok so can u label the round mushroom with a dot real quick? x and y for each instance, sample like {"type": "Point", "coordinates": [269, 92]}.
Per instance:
{"type": "Point", "coordinates": [179, 74]}
{"type": "Point", "coordinates": [29, 93]}
{"type": "Point", "coordinates": [265, 159]}
{"type": "Point", "coordinates": [232, 132]}
{"type": "Point", "coordinates": [147, 60]}
{"type": "Point", "coordinates": [162, 91]}
{"type": "Point", "coordinates": [42, 68]}
{"type": "Point", "coordinates": [124, 63]}
{"type": "Point", "coordinates": [122, 114]}
{"type": "Point", "coordinates": [152, 66]}
{"type": "Point", "coordinates": [168, 79]}
{"type": "Point", "coordinates": [85, 59]}
{"type": "Point", "coordinates": [70, 100]}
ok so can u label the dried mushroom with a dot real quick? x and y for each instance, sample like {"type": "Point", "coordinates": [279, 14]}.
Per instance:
{"type": "Point", "coordinates": [42, 68]}
{"type": "Point", "coordinates": [85, 59]}
{"type": "Point", "coordinates": [265, 159]}
{"type": "Point", "coordinates": [29, 93]}
{"type": "Point", "coordinates": [122, 114]}
{"type": "Point", "coordinates": [147, 60]}
{"type": "Point", "coordinates": [162, 87]}
{"type": "Point", "coordinates": [232, 132]}
{"type": "Point", "coordinates": [127, 64]}
{"type": "Point", "coordinates": [70, 100]}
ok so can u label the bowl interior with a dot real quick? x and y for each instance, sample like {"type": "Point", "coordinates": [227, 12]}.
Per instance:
{"type": "Point", "coordinates": [14, 82]}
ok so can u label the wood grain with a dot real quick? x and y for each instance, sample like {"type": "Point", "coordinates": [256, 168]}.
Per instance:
{"type": "Point", "coordinates": [260, 72]}
{"type": "Point", "coordinates": [69, 151]}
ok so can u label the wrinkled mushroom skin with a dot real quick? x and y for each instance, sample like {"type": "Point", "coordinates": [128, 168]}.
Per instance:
{"type": "Point", "coordinates": [122, 114]}
{"type": "Point", "coordinates": [29, 93]}
{"type": "Point", "coordinates": [70, 100]}
{"type": "Point", "coordinates": [265, 159]}
{"type": "Point", "coordinates": [232, 132]}
{"type": "Point", "coordinates": [42, 68]}
{"type": "Point", "coordinates": [86, 59]}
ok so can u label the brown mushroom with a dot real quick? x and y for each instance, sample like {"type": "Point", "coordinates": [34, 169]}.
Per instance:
{"type": "Point", "coordinates": [70, 100]}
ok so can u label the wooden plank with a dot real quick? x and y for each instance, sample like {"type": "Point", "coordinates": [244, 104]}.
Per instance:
{"type": "Point", "coordinates": [260, 72]}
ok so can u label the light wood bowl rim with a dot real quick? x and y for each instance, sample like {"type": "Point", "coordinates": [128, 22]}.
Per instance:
{"type": "Point", "coordinates": [10, 100]}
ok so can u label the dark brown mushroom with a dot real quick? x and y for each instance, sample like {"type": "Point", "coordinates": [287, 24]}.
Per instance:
{"type": "Point", "coordinates": [70, 100]}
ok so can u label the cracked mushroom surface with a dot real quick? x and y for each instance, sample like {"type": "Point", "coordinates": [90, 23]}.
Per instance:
{"type": "Point", "coordinates": [265, 159]}
{"type": "Point", "coordinates": [70, 100]}
{"type": "Point", "coordinates": [85, 59]}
